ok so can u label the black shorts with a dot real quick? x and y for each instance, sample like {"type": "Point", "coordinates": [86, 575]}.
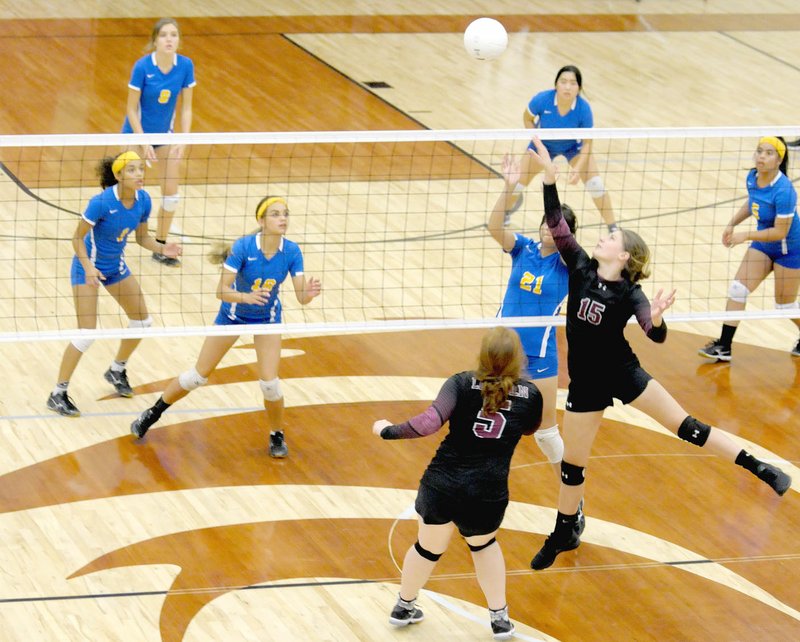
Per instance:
{"type": "Point", "coordinates": [597, 392]}
{"type": "Point", "coordinates": [471, 515]}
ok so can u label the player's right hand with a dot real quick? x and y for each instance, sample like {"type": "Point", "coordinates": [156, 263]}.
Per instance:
{"type": "Point", "coordinates": [94, 276]}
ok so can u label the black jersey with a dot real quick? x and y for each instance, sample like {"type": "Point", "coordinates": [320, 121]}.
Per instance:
{"type": "Point", "coordinates": [475, 456]}
{"type": "Point", "coordinates": [597, 310]}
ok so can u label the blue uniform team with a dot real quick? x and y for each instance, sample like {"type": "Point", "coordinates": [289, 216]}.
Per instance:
{"type": "Point", "coordinates": [159, 92]}
{"type": "Point", "coordinates": [543, 108]}
{"type": "Point", "coordinates": [111, 223]}
{"type": "Point", "coordinates": [767, 204]}
{"type": "Point", "coordinates": [537, 287]}
{"type": "Point", "coordinates": [254, 271]}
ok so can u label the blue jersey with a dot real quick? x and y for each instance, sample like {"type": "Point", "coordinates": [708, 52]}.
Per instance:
{"type": "Point", "coordinates": [255, 271]}
{"type": "Point", "coordinates": [767, 204]}
{"type": "Point", "coordinates": [537, 287]}
{"type": "Point", "coordinates": [544, 109]}
{"type": "Point", "coordinates": [159, 92]}
{"type": "Point", "coordinates": [111, 224]}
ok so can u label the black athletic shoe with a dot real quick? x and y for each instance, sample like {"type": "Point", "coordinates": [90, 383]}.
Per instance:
{"type": "Point", "coordinates": [142, 423]}
{"type": "Point", "coordinates": [517, 204]}
{"type": "Point", "coordinates": [551, 548]}
{"type": "Point", "coordinates": [402, 615]}
{"type": "Point", "coordinates": [61, 403]}
{"type": "Point", "coordinates": [580, 525]}
{"type": "Point", "coordinates": [119, 379]}
{"type": "Point", "coordinates": [796, 349]}
{"type": "Point", "coordinates": [277, 445]}
{"type": "Point", "coordinates": [502, 627]}
{"type": "Point", "coordinates": [778, 480]}
{"type": "Point", "coordinates": [165, 260]}
{"type": "Point", "coordinates": [715, 350]}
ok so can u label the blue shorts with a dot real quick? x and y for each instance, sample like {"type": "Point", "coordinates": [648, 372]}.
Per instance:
{"type": "Point", "coordinates": [774, 250]}
{"type": "Point", "coordinates": [543, 367]}
{"type": "Point", "coordinates": [224, 319]}
{"type": "Point", "coordinates": [113, 273]}
{"type": "Point", "coordinates": [569, 154]}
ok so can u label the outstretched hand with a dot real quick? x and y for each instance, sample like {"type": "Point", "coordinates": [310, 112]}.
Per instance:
{"type": "Point", "coordinates": [511, 170]}
{"type": "Point", "coordinates": [660, 304]}
{"type": "Point", "coordinates": [541, 152]}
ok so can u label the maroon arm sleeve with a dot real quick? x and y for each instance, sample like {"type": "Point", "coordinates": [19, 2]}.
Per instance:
{"type": "Point", "coordinates": [429, 421]}
{"type": "Point", "coordinates": [641, 308]}
{"type": "Point", "coordinates": [568, 247]}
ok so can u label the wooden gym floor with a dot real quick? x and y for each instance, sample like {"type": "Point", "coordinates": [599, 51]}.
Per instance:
{"type": "Point", "coordinates": [196, 534]}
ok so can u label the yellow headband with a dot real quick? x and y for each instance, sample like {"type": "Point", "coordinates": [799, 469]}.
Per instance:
{"type": "Point", "coordinates": [777, 143]}
{"type": "Point", "coordinates": [262, 209]}
{"type": "Point", "coordinates": [123, 159]}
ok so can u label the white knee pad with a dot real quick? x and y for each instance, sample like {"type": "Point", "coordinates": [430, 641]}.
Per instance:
{"type": "Point", "coordinates": [738, 292]}
{"type": "Point", "coordinates": [191, 379]}
{"type": "Point", "coordinates": [170, 202]}
{"type": "Point", "coordinates": [271, 389]}
{"type": "Point", "coordinates": [595, 187]}
{"type": "Point", "coordinates": [550, 443]}
{"type": "Point", "coordinates": [140, 323]}
{"type": "Point", "coordinates": [82, 345]}
{"type": "Point", "coordinates": [787, 306]}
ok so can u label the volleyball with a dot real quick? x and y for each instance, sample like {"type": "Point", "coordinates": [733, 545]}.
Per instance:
{"type": "Point", "coordinates": [485, 38]}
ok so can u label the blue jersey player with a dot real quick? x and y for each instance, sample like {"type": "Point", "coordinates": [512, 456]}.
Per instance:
{"type": "Point", "coordinates": [537, 287]}
{"type": "Point", "coordinates": [156, 82]}
{"type": "Point", "coordinates": [564, 108]}
{"type": "Point", "coordinates": [99, 241]}
{"type": "Point", "coordinates": [774, 244]}
{"type": "Point", "coordinates": [253, 270]}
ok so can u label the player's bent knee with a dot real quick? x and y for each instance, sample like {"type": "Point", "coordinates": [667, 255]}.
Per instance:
{"type": "Point", "coordinates": [170, 202]}
{"type": "Point", "coordinates": [191, 380]}
{"type": "Point", "coordinates": [141, 323]}
{"type": "Point", "coordinates": [82, 345]}
{"type": "Point", "coordinates": [571, 474]}
{"type": "Point", "coordinates": [550, 443]}
{"type": "Point", "coordinates": [271, 389]}
{"type": "Point", "coordinates": [694, 431]}
{"type": "Point", "coordinates": [480, 547]}
{"type": "Point", "coordinates": [423, 552]}
{"type": "Point", "coordinates": [738, 292]}
{"type": "Point", "coordinates": [595, 187]}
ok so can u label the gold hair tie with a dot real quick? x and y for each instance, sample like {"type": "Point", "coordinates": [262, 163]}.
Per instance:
{"type": "Point", "coordinates": [123, 159]}
{"type": "Point", "coordinates": [262, 209]}
{"type": "Point", "coordinates": [776, 142]}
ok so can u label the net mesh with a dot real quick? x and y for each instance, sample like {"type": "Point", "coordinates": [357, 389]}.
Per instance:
{"type": "Point", "coordinates": [393, 223]}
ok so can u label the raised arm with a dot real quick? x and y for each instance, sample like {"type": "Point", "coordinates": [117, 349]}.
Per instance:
{"type": "Point", "coordinates": [565, 241]}
{"type": "Point", "coordinates": [649, 314]}
{"type": "Point", "coordinates": [496, 224]}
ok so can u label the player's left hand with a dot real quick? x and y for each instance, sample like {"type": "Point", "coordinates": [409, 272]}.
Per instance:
{"type": "Point", "coordinates": [380, 425]}
{"type": "Point", "coordinates": [172, 250]}
{"type": "Point", "coordinates": [177, 151]}
{"type": "Point", "coordinates": [660, 304]}
{"type": "Point", "coordinates": [313, 287]}
{"type": "Point", "coordinates": [511, 170]}
{"type": "Point", "coordinates": [574, 176]}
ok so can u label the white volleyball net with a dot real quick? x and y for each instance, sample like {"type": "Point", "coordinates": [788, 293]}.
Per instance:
{"type": "Point", "coordinates": [393, 223]}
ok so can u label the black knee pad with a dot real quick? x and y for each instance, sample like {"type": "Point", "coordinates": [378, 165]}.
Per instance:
{"type": "Point", "coordinates": [433, 557]}
{"type": "Point", "coordinates": [480, 547]}
{"type": "Point", "coordinates": [694, 431]}
{"type": "Point", "coordinates": [571, 474]}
